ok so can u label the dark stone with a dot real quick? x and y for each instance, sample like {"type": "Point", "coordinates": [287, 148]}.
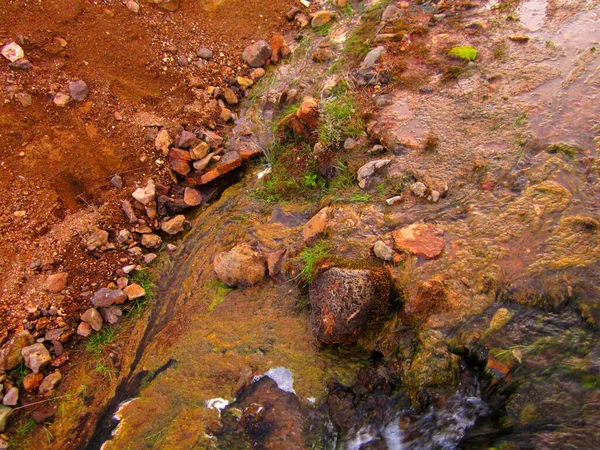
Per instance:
{"type": "Point", "coordinates": [21, 64]}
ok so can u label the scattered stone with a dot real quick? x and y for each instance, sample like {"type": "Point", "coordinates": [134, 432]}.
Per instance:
{"type": "Point", "coordinates": [372, 57]}
{"type": "Point", "coordinates": [78, 90]}
{"type": "Point", "coordinates": [351, 144]}
{"type": "Point", "coordinates": [202, 164]}
{"type": "Point", "coordinates": [174, 225]}
{"type": "Point", "coordinates": [24, 99]}
{"type": "Point", "coordinates": [230, 96]}
{"type": "Point", "coordinates": [302, 20]}
{"type": "Point", "coordinates": [150, 257]}
{"type": "Point", "coordinates": [438, 17]}
{"type": "Point", "coordinates": [116, 181]}
{"type": "Point", "coordinates": [316, 226]}
{"type": "Point", "coordinates": [32, 381]}
{"type": "Point", "coordinates": [199, 151]}
{"type": "Point", "coordinates": [132, 6]}
{"type": "Point", "coordinates": [519, 38]}
{"type": "Point", "coordinates": [393, 200]}
{"type": "Point", "coordinates": [36, 357]}
{"type": "Point", "coordinates": [178, 163]}
{"type": "Point", "coordinates": [11, 397]}
{"type": "Point", "coordinates": [61, 99]}
{"type": "Point", "coordinates": [21, 64]}
{"type": "Point", "coordinates": [123, 236]}
{"type": "Point", "coordinates": [50, 382]}
{"type": "Point", "coordinates": [275, 262]}
{"type": "Point", "coordinates": [427, 89]}
{"type": "Point", "coordinates": [12, 350]}
{"type": "Point", "coordinates": [128, 269]}
{"type": "Point", "coordinates": [163, 141]}
{"type": "Point", "coordinates": [171, 247]}
{"type": "Point", "coordinates": [366, 172]}
{"type": "Point", "coordinates": [151, 241]}
{"type": "Point", "coordinates": [419, 189]}
{"type": "Point", "coordinates": [93, 318]}
{"type": "Point", "coordinates": [228, 162]}
{"type": "Point", "coordinates": [257, 73]}
{"type": "Point", "coordinates": [226, 115]}
{"type": "Point", "coordinates": [105, 297]}
{"type": "Point", "coordinates": [383, 251]}
{"type": "Point", "coordinates": [111, 315]}
{"type": "Point", "coordinates": [128, 210]}
{"type": "Point", "coordinates": [257, 54]}
{"type": "Point", "coordinates": [191, 197]}
{"type": "Point", "coordinates": [57, 282]}
{"type": "Point", "coordinates": [84, 329]}
{"type": "Point", "coordinates": [419, 239]}
{"type": "Point", "coordinates": [134, 291]}
{"type": "Point", "coordinates": [187, 139]}
{"type": "Point", "coordinates": [122, 283]}
{"type": "Point", "coordinates": [240, 267]}
{"type": "Point", "coordinates": [13, 52]}
{"type": "Point", "coordinates": [145, 195]}
{"type": "Point", "coordinates": [279, 48]}
{"type": "Point", "coordinates": [343, 300]}
{"type": "Point", "coordinates": [390, 13]}
{"type": "Point", "coordinates": [4, 413]}
{"type": "Point", "coordinates": [382, 100]}
{"type": "Point", "coordinates": [97, 240]}
{"type": "Point", "coordinates": [292, 13]}
{"type": "Point", "coordinates": [320, 18]}
{"type": "Point", "coordinates": [204, 53]}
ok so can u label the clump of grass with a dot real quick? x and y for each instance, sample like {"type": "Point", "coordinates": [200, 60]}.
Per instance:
{"type": "Point", "coordinates": [18, 374]}
{"type": "Point", "coordinates": [97, 341]}
{"type": "Point", "coordinates": [340, 117]}
{"type": "Point", "coordinates": [431, 142]}
{"type": "Point", "coordinates": [358, 44]}
{"type": "Point", "coordinates": [311, 257]}
{"type": "Point", "coordinates": [25, 427]}
{"type": "Point", "coordinates": [564, 148]}
{"type": "Point", "coordinates": [105, 370]}
{"type": "Point", "coordinates": [146, 280]}
{"type": "Point", "coordinates": [324, 30]}
{"type": "Point", "coordinates": [464, 52]}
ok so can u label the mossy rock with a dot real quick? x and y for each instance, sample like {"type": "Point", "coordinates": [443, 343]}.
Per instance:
{"type": "Point", "coordinates": [464, 52]}
{"type": "Point", "coordinates": [564, 148]}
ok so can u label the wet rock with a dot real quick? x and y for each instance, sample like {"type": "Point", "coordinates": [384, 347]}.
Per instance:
{"type": "Point", "coordinates": [50, 383]}
{"type": "Point", "coordinates": [105, 297]}
{"type": "Point", "coordinates": [11, 397]}
{"type": "Point", "coordinates": [97, 240]}
{"type": "Point", "coordinates": [32, 381]}
{"type": "Point", "coordinates": [430, 298]}
{"type": "Point", "coordinates": [372, 57]}
{"type": "Point", "coordinates": [257, 54]}
{"type": "Point", "coordinates": [84, 329]}
{"type": "Point", "coordinates": [192, 197]}
{"type": "Point", "coordinates": [187, 139]}
{"type": "Point", "coordinates": [383, 251]}
{"type": "Point", "coordinates": [13, 52]}
{"type": "Point", "coordinates": [151, 241]}
{"type": "Point", "coordinates": [204, 53]}
{"type": "Point", "coordinates": [145, 195]}
{"type": "Point", "coordinates": [93, 318]}
{"type": "Point", "coordinates": [4, 413]}
{"type": "Point", "coordinates": [230, 96]}
{"type": "Point", "coordinates": [61, 99]}
{"type": "Point", "coordinates": [163, 141]}
{"type": "Point", "coordinates": [320, 18]}
{"type": "Point", "coordinates": [419, 239]}
{"type": "Point", "coordinates": [199, 151]}
{"type": "Point", "coordinates": [36, 357]}
{"type": "Point", "coordinates": [128, 210]}
{"type": "Point", "coordinates": [57, 282]}
{"type": "Point", "coordinates": [111, 315]}
{"type": "Point", "coordinates": [316, 226]}
{"type": "Point", "coordinates": [323, 55]}
{"type": "Point", "coordinates": [240, 267]}
{"type": "Point", "coordinates": [229, 161]}
{"type": "Point", "coordinates": [279, 48]}
{"type": "Point", "coordinates": [174, 225]}
{"type": "Point", "coordinates": [390, 13]}
{"type": "Point", "coordinates": [418, 189]}
{"type": "Point", "coordinates": [12, 351]}
{"type": "Point", "coordinates": [78, 90]}
{"type": "Point", "coordinates": [134, 291]}
{"type": "Point", "coordinates": [116, 181]}
{"type": "Point", "coordinates": [275, 262]}
{"type": "Point", "coordinates": [366, 172]}
{"type": "Point", "coordinates": [344, 300]}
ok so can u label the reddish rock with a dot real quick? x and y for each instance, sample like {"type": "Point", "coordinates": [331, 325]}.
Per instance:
{"type": "Point", "coordinates": [57, 282]}
{"type": "Point", "coordinates": [275, 262]}
{"type": "Point", "coordinates": [213, 139]}
{"type": "Point", "coordinates": [229, 162]}
{"type": "Point", "coordinates": [180, 154]}
{"type": "Point", "coordinates": [105, 297]}
{"type": "Point", "coordinates": [249, 152]}
{"type": "Point", "coordinates": [180, 166]}
{"type": "Point", "coordinates": [418, 239]}
{"type": "Point", "coordinates": [191, 197]}
{"type": "Point", "coordinates": [134, 291]}
{"type": "Point", "coordinates": [279, 48]}
{"type": "Point", "coordinates": [316, 225]}
{"type": "Point", "coordinates": [498, 369]}
{"type": "Point", "coordinates": [32, 381]}
{"type": "Point", "coordinates": [430, 298]}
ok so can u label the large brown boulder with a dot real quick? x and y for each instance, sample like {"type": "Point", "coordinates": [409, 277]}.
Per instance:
{"type": "Point", "coordinates": [241, 266]}
{"type": "Point", "coordinates": [343, 301]}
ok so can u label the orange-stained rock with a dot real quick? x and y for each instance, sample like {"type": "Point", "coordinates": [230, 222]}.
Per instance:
{"type": "Point", "coordinates": [419, 239]}
{"type": "Point", "coordinates": [180, 154]}
{"type": "Point", "coordinates": [229, 161]}
{"type": "Point", "coordinates": [279, 48]}
{"type": "Point", "coordinates": [180, 166]}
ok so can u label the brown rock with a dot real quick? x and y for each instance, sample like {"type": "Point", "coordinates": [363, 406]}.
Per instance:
{"type": "Point", "coordinates": [230, 96]}
{"type": "Point", "coordinates": [151, 241]}
{"type": "Point", "coordinates": [192, 197]}
{"type": "Point", "coordinates": [174, 225]}
{"type": "Point", "coordinates": [57, 282]}
{"type": "Point", "coordinates": [84, 329]}
{"type": "Point", "coordinates": [241, 266]}
{"type": "Point", "coordinates": [419, 239]}
{"type": "Point", "coordinates": [323, 55]}
{"type": "Point", "coordinates": [180, 166]}
{"type": "Point", "coordinates": [12, 351]}
{"type": "Point", "coordinates": [32, 381]}
{"type": "Point", "coordinates": [36, 357]}
{"type": "Point", "coordinates": [128, 210]}
{"type": "Point", "coordinates": [213, 139]}
{"type": "Point", "coordinates": [279, 48]}
{"type": "Point", "coordinates": [50, 383]}
{"type": "Point", "coordinates": [134, 291]}
{"type": "Point", "coordinates": [105, 297]}
{"type": "Point", "coordinates": [275, 262]}
{"type": "Point", "coordinates": [199, 151]}
{"type": "Point", "coordinates": [316, 225]}
{"type": "Point", "coordinates": [320, 18]}
{"type": "Point", "coordinates": [257, 73]}
{"type": "Point", "coordinates": [93, 318]}
{"type": "Point", "coordinates": [180, 154]}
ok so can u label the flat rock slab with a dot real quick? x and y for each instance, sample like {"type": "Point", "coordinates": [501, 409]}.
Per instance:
{"type": "Point", "coordinates": [419, 239]}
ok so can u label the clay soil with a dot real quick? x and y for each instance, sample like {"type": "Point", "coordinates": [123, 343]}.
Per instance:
{"type": "Point", "coordinates": [56, 163]}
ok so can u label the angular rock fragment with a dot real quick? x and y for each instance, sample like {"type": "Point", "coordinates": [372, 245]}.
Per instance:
{"type": "Point", "coordinates": [241, 266]}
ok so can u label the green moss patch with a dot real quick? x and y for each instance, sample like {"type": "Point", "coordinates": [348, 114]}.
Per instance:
{"type": "Point", "coordinates": [464, 52]}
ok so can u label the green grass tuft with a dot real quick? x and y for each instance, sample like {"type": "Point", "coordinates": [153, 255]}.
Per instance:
{"type": "Point", "coordinates": [465, 52]}
{"type": "Point", "coordinates": [310, 257]}
{"type": "Point", "coordinates": [97, 341]}
{"type": "Point", "coordinates": [340, 119]}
